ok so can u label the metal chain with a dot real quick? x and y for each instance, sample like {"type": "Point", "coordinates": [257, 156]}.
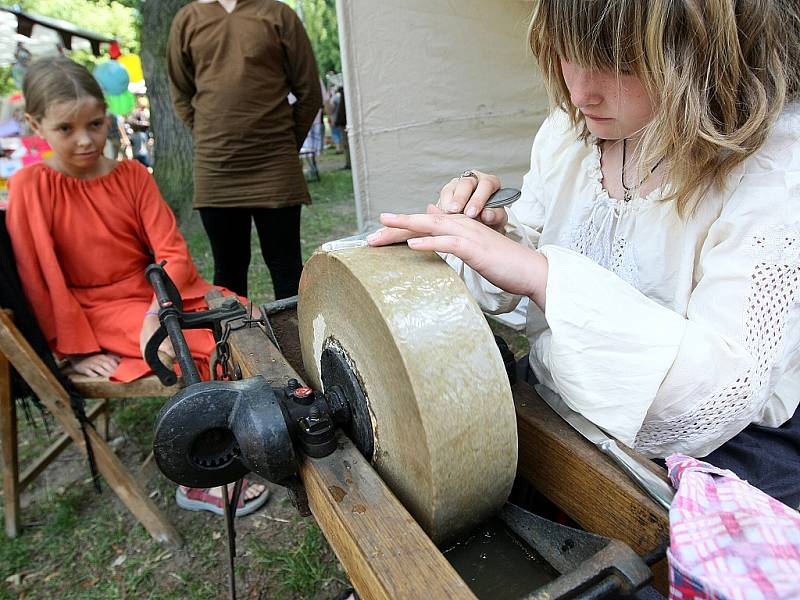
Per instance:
{"type": "Point", "coordinates": [223, 349]}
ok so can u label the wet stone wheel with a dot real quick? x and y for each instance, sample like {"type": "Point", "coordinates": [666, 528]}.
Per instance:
{"type": "Point", "coordinates": [437, 407]}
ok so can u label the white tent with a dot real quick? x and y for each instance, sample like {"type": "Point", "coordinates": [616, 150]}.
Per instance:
{"type": "Point", "coordinates": [434, 87]}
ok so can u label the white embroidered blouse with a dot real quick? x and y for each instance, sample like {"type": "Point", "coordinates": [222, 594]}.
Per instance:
{"type": "Point", "coordinates": [671, 334]}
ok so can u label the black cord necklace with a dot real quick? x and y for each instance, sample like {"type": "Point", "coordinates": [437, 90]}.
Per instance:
{"type": "Point", "coordinates": [627, 194]}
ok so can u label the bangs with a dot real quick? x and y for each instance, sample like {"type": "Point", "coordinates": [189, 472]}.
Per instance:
{"type": "Point", "coordinates": [598, 35]}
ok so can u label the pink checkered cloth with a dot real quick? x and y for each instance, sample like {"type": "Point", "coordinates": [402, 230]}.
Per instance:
{"type": "Point", "coordinates": [728, 539]}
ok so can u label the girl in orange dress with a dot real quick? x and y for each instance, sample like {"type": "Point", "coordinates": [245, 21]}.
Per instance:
{"type": "Point", "coordinates": [85, 227]}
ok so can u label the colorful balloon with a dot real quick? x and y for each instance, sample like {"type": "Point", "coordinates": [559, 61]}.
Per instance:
{"type": "Point", "coordinates": [133, 65]}
{"type": "Point", "coordinates": [112, 77]}
{"type": "Point", "coordinates": [121, 104]}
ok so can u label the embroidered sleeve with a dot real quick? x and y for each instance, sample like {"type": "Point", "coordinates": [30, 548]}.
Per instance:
{"type": "Point", "coordinates": [667, 382]}
{"type": "Point", "coordinates": [768, 317]}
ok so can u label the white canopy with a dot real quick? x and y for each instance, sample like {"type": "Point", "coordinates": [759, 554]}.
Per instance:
{"type": "Point", "coordinates": [434, 87]}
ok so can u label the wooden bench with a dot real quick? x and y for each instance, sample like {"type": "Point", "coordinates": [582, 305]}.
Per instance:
{"type": "Point", "coordinates": [16, 351]}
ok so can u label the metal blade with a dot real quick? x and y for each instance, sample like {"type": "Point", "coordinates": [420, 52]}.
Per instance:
{"type": "Point", "coordinates": [658, 489]}
{"type": "Point", "coordinates": [580, 423]}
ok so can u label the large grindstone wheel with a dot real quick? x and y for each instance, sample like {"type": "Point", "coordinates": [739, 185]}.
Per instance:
{"type": "Point", "coordinates": [437, 395]}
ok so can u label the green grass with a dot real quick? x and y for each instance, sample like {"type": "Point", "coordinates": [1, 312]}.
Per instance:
{"type": "Point", "coordinates": [300, 568]}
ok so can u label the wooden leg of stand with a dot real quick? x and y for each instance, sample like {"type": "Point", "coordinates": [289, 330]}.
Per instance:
{"type": "Point", "coordinates": [103, 417]}
{"type": "Point", "coordinates": [53, 395]}
{"type": "Point", "coordinates": [8, 431]}
{"type": "Point", "coordinates": [53, 451]}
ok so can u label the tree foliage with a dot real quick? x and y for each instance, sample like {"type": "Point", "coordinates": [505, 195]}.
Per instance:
{"type": "Point", "coordinates": [7, 84]}
{"type": "Point", "coordinates": [319, 17]}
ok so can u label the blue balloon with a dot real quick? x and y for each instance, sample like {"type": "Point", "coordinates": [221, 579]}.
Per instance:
{"type": "Point", "coordinates": [112, 77]}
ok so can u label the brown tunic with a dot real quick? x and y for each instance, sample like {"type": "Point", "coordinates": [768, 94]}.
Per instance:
{"type": "Point", "coordinates": [231, 75]}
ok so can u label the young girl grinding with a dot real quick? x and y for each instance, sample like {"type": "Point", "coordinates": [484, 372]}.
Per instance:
{"type": "Point", "coordinates": [658, 234]}
{"type": "Point", "coordinates": [84, 228]}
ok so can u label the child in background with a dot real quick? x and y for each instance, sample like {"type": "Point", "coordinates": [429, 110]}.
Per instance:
{"type": "Point", "coordinates": [84, 228]}
{"type": "Point", "coordinates": [139, 122]}
{"type": "Point", "coordinates": [658, 234]}
{"type": "Point", "coordinates": [117, 140]}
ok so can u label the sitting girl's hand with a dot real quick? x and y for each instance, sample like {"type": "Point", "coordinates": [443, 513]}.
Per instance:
{"type": "Point", "coordinates": [468, 194]}
{"type": "Point", "coordinates": [505, 263]}
{"type": "Point", "coordinates": [95, 365]}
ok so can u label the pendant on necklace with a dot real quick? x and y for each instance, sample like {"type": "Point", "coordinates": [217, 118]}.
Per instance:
{"type": "Point", "coordinates": [627, 196]}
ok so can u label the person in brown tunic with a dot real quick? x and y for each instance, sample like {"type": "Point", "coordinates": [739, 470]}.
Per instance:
{"type": "Point", "coordinates": [232, 65]}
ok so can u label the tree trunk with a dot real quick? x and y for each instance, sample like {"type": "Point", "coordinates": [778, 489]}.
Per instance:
{"type": "Point", "coordinates": [172, 154]}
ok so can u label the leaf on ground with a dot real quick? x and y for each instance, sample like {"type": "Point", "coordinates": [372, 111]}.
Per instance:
{"type": "Point", "coordinates": [163, 556]}
{"type": "Point", "coordinates": [119, 560]}
{"type": "Point", "coordinates": [178, 577]}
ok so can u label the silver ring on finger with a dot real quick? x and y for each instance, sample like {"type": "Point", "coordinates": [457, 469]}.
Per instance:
{"type": "Point", "coordinates": [468, 173]}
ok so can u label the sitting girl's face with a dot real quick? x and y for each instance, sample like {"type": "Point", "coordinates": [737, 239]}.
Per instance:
{"type": "Point", "coordinates": [615, 106]}
{"type": "Point", "coordinates": [76, 131]}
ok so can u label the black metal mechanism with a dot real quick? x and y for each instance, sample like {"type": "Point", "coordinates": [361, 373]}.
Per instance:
{"type": "Point", "coordinates": [212, 433]}
{"type": "Point", "coordinates": [590, 566]}
{"type": "Point", "coordinates": [174, 320]}
{"type": "Point", "coordinates": [344, 391]}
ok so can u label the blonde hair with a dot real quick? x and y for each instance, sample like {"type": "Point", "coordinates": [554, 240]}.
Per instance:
{"type": "Point", "coordinates": [718, 72]}
{"type": "Point", "coordinates": [57, 79]}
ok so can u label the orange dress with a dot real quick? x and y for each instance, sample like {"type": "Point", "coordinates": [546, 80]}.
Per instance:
{"type": "Point", "coordinates": [81, 248]}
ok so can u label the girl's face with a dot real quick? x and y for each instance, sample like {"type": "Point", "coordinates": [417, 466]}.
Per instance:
{"type": "Point", "coordinates": [76, 131]}
{"type": "Point", "coordinates": [615, 106]}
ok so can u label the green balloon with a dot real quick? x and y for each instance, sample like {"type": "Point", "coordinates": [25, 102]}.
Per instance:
{"type": "Point", "coordinates": [121, 104]}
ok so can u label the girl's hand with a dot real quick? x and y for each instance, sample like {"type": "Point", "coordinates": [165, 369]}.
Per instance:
{"type": "Point", "coordinates": [95, 365]}
{"type": "Point", "coordinates": [505, 263]}
{"type": "Point", "coordinates": [149, 326]}
{"type": "Point", "coordinates": [468, 194]}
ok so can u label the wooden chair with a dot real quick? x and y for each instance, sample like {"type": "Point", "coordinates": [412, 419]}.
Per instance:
{"type": "Point", "coordinates": [16, 351]}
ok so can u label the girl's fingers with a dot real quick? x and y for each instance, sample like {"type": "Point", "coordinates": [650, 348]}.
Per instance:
{"type": "Point", "coordinates": [485, 188]}
{"type": "Point", "coordinates": [462, 247]}
{"type": "Point", "coordinates": [97, 370]}
{"type": "Point", "coordinates": [397, 235]}
{"type": "Point", "coordinates": [496, 218]}
{"type": "Point", "coordinates": [430, 224]}
{"type": "Point", "coordinates": [389, 235]}
{"type": "Point", "coordinates": [446, 195]}
{"type": "Point", "coordinates": [106, 370]}
{"type": "Point", "coordinates": [464, 189]}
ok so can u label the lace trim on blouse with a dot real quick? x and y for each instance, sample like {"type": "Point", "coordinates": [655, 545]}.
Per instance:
{"type": "Point", "coordinates": [774, 289]}
{"type": "Point", "coordinates": [598, 236]}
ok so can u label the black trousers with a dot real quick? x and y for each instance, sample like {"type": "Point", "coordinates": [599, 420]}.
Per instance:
{"type": "Point", "coordinates": [228, 230]}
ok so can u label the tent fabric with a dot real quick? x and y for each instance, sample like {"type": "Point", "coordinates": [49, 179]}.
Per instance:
{"type": "Point", "coordinates": [435, 87]}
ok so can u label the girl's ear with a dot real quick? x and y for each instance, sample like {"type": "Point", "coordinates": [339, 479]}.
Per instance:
{"type": "Point", "coordinates": [32, 123]}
